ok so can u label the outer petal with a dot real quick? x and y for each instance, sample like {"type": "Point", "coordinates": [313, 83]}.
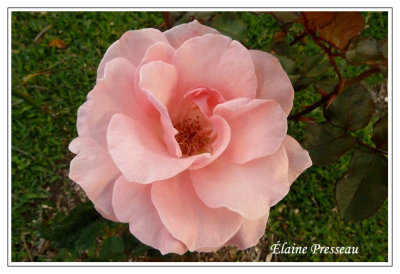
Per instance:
{"type": "Point", "coordinates": [188, 219]}
{"type": "Point", "coordinates": [179, 34]}
{"type": "Point", "coordinates": [94, 170]}
{"type": "Point", "coordinates": [113, 94]}
{"type": "Point", "coordinates": [140, 155]}
{"type": "Point", "coordinates": [132, 45]}
{"type": "Point", "coordinates": [249, 189]}
{"type": "Point", "coordinates": [217, 62]}
{"type": "Point", "coordinates": [299, 159]}
{"type": "Point", "coordinates": [132, 203]}
{"type": "Point", "coordinates": [258, 128]}
{"type": "Point", "coordinates": [273, 82]}
{"type": "Point", "coordinates": [249, 233]}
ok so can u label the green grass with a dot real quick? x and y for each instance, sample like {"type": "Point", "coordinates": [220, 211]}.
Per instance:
{"type": "Point", "coordinates": [40, 155]}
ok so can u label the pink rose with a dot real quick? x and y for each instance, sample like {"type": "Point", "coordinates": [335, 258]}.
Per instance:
{"type": "Point", "coordinates": [184, 137]}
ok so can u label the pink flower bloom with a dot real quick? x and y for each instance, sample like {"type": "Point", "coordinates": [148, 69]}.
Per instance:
{"type": "Point", "coordinates": [184, 137]}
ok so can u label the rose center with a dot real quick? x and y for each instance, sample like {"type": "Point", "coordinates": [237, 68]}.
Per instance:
{"type": "Point", "coordinates": [192, 137]}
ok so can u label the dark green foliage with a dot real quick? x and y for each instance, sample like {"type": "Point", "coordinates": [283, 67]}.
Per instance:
{"type": "Point", "coordinates": [76, 229]}
{"type": "Point", "coordinates": [351, 109]}
{"type": "Point", "coordinates": [286, 17]}
{"type": "Point", "coordinates": [366, 50]}
{"type": "Point", "coordinates": [112, 249]}
{"type": "Point", "coordinates": [230, 25]}
{"type": "Point", "coordinates": [364, 186]}
{"type": "Point", "coordinates": [327, 143]}
{"type": "Point", "coordinates": [327, 83]}
{"type": "Point", "coordinates": [380, 136]}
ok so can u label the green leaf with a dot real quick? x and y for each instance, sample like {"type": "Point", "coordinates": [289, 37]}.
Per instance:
{"type": "Point", "coordinates": [139, 250]}
{"type": "Point", "coordinates": [185, 17]}
{"type": "Point", "coordinates": [327, 143]}
{"type": "Point", "coordinates": [365, 50]}
{"type": "Point", "coordinates": [231, 25]}
{"type": "Point", "coordinates": [383, 45]}
{"type": "Point", "coordinates": [380, 135]}
{"type": "Point", "coordinates": [294, 77]}
{"type": "Point", "coordinates": [113, 249]}
{"type": "Point", "coordinates": [302, 83]}
{"type": "Point", "coordinates": [288, 64]}
{"type": "Point", "coordinates": [64, 255]}
{"type": "Point", "coordinates": [352, 109]}
{"type": "Point", "coordinates": [327, 84]}
{"type": "Point", "coordinates": [364, 186]}
{"type": "Point", "coordinates": [315, 66]}
{"type": "Point", "coordinates": [286, 17]}
{"type": "Point", "coordinates": [283, 49]}
{"type": "Point", "coordinates": [129, 240]}
{"type": "Point", "coordinates": [64, 231]}
{"type": "Point", "coordinates": [133, 246]}
{"type": "Point", "coordinates": [88, 235]}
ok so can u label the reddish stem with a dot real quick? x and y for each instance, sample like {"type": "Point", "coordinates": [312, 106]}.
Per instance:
{"type": "Point", "coordinates": [362, 76]}
{"type": "Point", "coordinates": [342, 83]}
{"type": "Point", "coordinates": [298, 38]}
{"type": "Point", "coordinates": [372, 148]}
{"type": "Point", "coordinates": [325, 98]}
{"type": "Point", "coordinates": [167, 19]}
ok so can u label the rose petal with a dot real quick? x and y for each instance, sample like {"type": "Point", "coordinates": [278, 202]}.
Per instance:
{"type": "Point", "coordinates": [168, 130]}
{"type": "Point", "coordinates": [94, 170]}
{"type": "Point", "coordinates": [132, 203]}
{"type": "Point", "coordinates": [273, 82]}
{"type": "Point", "coordinates": [112, 94]}
{"type": "Point", "coordinates": [159, 51]}
{"type": "Point", "coordinates": [154, 96]}
{"type": "Point", "coordinates": [222, 131]}
{"type": "Point", "coordinates": [198, 104]}
{"type": "Point", "coordinates": [227, 68]}
{"type": "Point", "coordinates": [187, 218]}
{"type": "Point", "coordinates": [250, 232]}
{"type": "Point", "coordinates": [110, 216]}
{"type": "Point", "coordinates": [258, 128]}
{"type": "Point", "coordinates": [164, 85]}
{"type": "Point", "coordinates": [249, 189]}
{"type": "Point", "coordinates": [179, 34]}
{"type": "Point", "coordinates": [206, 100]}
{"type": "Point", "coordinates": [132, 45]}
{"type": "Point", "coordinates": [140, 155]}
{"type": "Point", "coordinates": [299, 159]}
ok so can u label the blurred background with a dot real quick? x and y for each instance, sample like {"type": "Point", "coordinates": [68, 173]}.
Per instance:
{"type": "Point", "coordinates": [54, 61]}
